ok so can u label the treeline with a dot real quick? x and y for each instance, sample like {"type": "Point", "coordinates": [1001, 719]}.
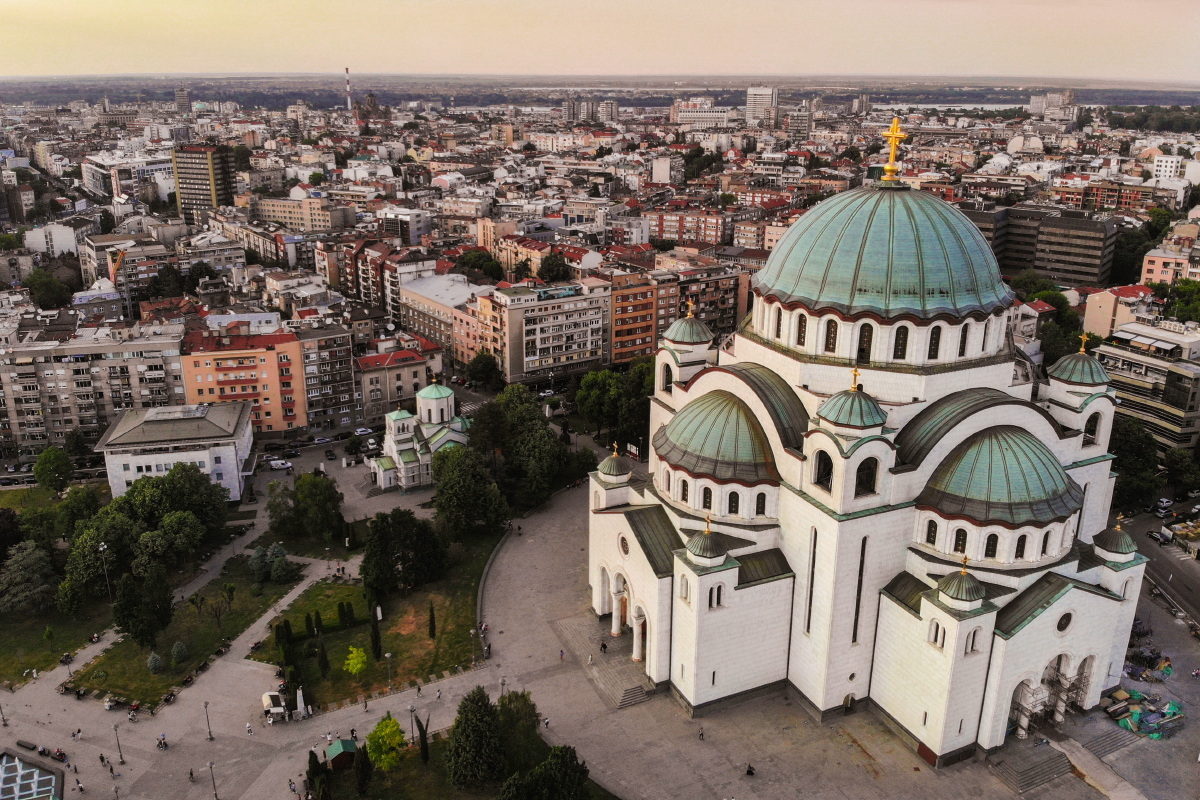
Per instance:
{"type": "Point", "coordinates": [1171, 119]}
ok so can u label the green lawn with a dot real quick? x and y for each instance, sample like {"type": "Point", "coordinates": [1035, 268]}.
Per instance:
{"type": "Point", "coordinates": [22, 646]}
{"type": "Point", "coordinates": [122, 669]}
{"type": "Point", "coordinates": [314, 545]}
{"type": "Point", "coordinates": [404, 630]}
{"type": "Point", "coordinates": [413, 780]}
{"type": "Point", "coordinates": [241, 516]}
{"type": "Point", "coordinates": [39, 497]}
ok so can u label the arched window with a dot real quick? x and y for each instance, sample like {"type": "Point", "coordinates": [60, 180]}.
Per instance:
{"type": "Point", "coordinates": [931, 533]}
{"type": "Point", "coordinates": [683, 587]}
{"type": "Point", "coordinates": [668, 378]}
{"type": "Point", "coordinates": [1046, 543]}
{"type": "Point", "coordinates": [972, 642]}
{"type": "Point", "coordinates": [1091, 429]}
{"type": "Point", "coordinates": [823, 472]}
{"type": "Point", "coordinates": [734, 502]}
{"type": "Point", "coordinates": [666, 481]}
{"type": "Point", "coordinates": [441, 415]}
{"type": "Point", "coordinates": [719, 587]}
{"type": "Point", "coordinates": [706, 498]}
{"type": "Point", "coordinates": [960, 541]}
{"type": "Point", "coordinates": [1125, 590]}
{"type": "Point", "coordinates": [991, 545]}
{"type": "Point", "coordinates": [711, 595]}
{"type": "Point", "coordinates": [801, 329]}
{"type": "Point", "coordinates": [864, 477]}
{"type": "Point", "coordinates": [760, 505]}
{"type": "Point", "coordinates": [937, 634]}
{"type": "Point", "coordinates": [935, 341]}
{"type": "Point", "coordinates": [831, 336]}
{"type": "Point", "coordinates": [683, 491]}
{"type": "Point", "coordinates": [962, 341]}
{"type": "Point", "coordinates": [987, 326]}
{"type": "Point", "coordinates": [900, 349]}
{"type": "Point", "coordinates": [779, 323]}
{"type": "Point", "coordinates": [1020, 547]}
{"type": "Point", "coordinates": [866, 335]}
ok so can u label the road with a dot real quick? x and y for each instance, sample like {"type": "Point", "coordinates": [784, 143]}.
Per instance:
{"type": "Point", "coordinates": [1169, 567]}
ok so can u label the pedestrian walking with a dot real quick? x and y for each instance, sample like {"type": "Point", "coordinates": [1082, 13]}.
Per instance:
{"type": "Point", "coordinates": [353, 735]}
{"type": "Point", "coordinates": [79, 735]}
{"type": "Point", "coordinates": [439, 697]}
{"type": "Point", "coordinates": [547, 722]}
{"type": "Point", "coordinates": [702, 734]}
{"type": "Point", "coordinates": [560, 655]}
{"type": "Point", "coordinates": [589, 659]}
{"type": "Point", "coordinates": [518, 530]}
{"type": "Point", "coordinates": [73, 736]}
{"type": "Point", "coordinates": [418, 690]}
{"type": "Point", "coordinates": [338, 735]}
{"type": "Point", "coordinates": [112, 772]}
{"type": "Point", "coordinates": [79, 785]}
{"type": "Point", "coordinates": [604, 647]}
{"type": "Point", "coordinates": [364, 704]}
{"type": "Point", "coordinates": [249, 730]}
{"type": "Point", "coordinates": [328, 738]}
{"type": "Point", "coordinates": [102, 758]}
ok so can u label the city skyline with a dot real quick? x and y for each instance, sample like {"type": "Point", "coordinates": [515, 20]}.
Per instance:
{"type": "Point", "coordinates": [769, 38]}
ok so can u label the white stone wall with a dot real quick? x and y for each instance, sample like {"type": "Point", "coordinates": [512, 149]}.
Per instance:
{"type": "Point", "coordinates": [221, 459]}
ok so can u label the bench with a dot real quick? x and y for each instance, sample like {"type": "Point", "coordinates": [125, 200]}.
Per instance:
{"type": "Point", "coordinates": [26, 745]}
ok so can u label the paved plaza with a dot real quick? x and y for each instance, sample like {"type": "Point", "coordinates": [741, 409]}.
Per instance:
{"type": "Point", "coordinates": [535, 601]}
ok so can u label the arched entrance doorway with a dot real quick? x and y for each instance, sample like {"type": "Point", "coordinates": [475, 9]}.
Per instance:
{"type": "Point", "coordinates": [1028, 707]}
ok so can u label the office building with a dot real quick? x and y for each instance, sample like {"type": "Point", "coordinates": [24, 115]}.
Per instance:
{"type": "Point", "coordinates": [758, 100]}
{"type": "Point", "coordinates": [204, 179]}
{"type": "Point", "coordinates": [183, 100]}
{"type": "Point", "coordinates": [1067, 246]}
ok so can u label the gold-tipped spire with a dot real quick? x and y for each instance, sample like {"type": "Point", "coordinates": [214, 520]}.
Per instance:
{"type": "Point", "coordinates": [1083, 343]}
{"type": "Point", "coordinates": [964, 566]}
{"type": "Point", "coordinates": [854, 379]}
{"type": "Point", "coordinates": [615, 449]}
{"type": "Point", "coordinates": [691, 305]}
{"type": "Point", "coordinates": [1119, 518]}
{"type": "Point", "coordinates": [894, 136]}
{"type": "Point", "coordinates": [708, 525]}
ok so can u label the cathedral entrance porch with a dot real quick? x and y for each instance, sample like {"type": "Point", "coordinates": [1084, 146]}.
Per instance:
{"type": "Point", "coordinates": [618, 679]}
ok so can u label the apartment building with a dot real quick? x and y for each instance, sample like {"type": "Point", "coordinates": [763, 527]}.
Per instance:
{"type": "Point", "coordinates": [642, 302]}
{"type": "Point", "coordinates": [305, 214]}
{"type": "Point", "coordinates": [204, 179]}
{"type": "Point", "coordinates": [1154, 369]}
{"type": "Point", "coordinates": [1108, 310]}
{"type": "Point", "coordinates": [536, 332]}
{"type": "Point", "coordinates": [54, 381]}
{"type": "Point", "coordinates": [230, 365]}
{"type": "Point", "coordinates": [430, 307]}
{"type": "Point", "coordinates": [1168, 263]}
{"type": "Point", "coordinates": [691, 225]}
{"type": "Point", "coordinates": [329, 376]}
{"type": "Point", "coordinates": [408, 224]}
{"type": "Point", "coordinates": [404, 366]}
{"type": "Point", "coordinates": [760, 100]}
{"type": "Point", "coordinates": [212, 248]}
{"type": "Point", "coordinates": [512, 249]}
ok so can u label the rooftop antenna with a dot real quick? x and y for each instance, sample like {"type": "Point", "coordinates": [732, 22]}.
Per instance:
{"type": "Point", "coordinates": [348, 107]}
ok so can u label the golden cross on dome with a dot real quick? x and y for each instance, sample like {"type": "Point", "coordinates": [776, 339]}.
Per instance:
{"type": "Point", "coordinates": [1119, 518]}
{"type": "Point", "coordinates": [854, 380]}
{"type": "Point", "coordinates": [708, 524]}
{"type": "Point", "coordinates": [964, 567]}
{"type": "Point", "coordinates": [614, 448]}
{"type": "Point", "coordinates": [691, 305]}
{"type": "Point", "coordinates": [894, 136]}
{"type": "Point", "coordinates": [1083, 343]}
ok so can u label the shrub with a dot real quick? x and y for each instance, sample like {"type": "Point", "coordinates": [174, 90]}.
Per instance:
{"type": "Point", "coordinates": [283, 571]}
{"type": "Point", "coordinates": [178, 653]}
{"type": "Point", "coordinates": [456, 552]}
{"type": "Point", "coordinates": [154, 663]}
{"type": "Point", "coordinates": [256, 590]}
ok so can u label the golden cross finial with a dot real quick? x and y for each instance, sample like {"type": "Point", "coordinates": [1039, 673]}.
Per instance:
{"type": "Point", "coordinates": [691, 305]}
{"type": "Point", "coordinates": [1083, 343]}
{"type": "Point", "coordinates": [854, 380]}
{"type": "Point", "coordinates": [894, 136]}
{"type": "Point", "coordinates": [1119, 518]}
{"type": "Point", "coordinates": [708, 524]}
{"type": "Point", "coordinates": [964, 566]}
{"type": "Point", "coordinates": [614, 448]}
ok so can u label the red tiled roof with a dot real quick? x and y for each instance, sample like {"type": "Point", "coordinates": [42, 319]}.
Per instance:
{"type": "Point", "coordinates": [387, 359]}
{"type": "Point", "coordinates": [1041, 306]}
{"type": "Point", "coordinates": [1136, 290]}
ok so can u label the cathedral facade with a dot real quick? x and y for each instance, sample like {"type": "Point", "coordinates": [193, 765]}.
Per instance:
{"type": "Point", "coordinates": [865, 497]}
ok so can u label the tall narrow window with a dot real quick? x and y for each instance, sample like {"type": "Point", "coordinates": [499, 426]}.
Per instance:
{"type": "Point", "coordinates": [831, 336]}
{"type": "Point", "coordinates": [760, 505]}
{"type": "Point", "coordinates": [862, 561]}
{"type": "Point", "coordinates": [991, 546]}
{"type": "Point", "coordinates": [683, 491]}
{"type": "Point", "coordinates": [866, 335]}
{"type": "Point", "coordinates": [823, 472]}
{"type": "Point", "coordinates": [864, 478]}
{"type": "Point", "coordinates": [987, 326]}
{"type": "Point", "coordinates": [666, 482]}
{"type": "Point", "coordinates": [900, 348]}
{"type": "Point", "coordinates": [960, 541]}
{"type": "Point", "coordinates": [668, 378]}
{"type": "Point", "coordinates": [718, 595]}
{"type": "Point", "coordinates": [1046, 543]}
{"type": "Point", "coordinates": [779, 323]}
{"type": "Point", "coordinates": [931, 533]}
{"type": "Point", "coordinates": [1020, 546]}
{"type": "Point", "coordinates": [734, 502]}
{"type": "Point", "coordinates": [711, 591]}
{"type": "Point", "coordinates": [962, 341]}
{"type": "Point", "coordinates": [1091, 429]}
{"type": "Point", "coordinates": [801, 329]}
{"type": "Point", "coordinates": [935, 342]}
{"type": "Point", "coordinates": [812, 574]}
{"type": "Point", "coordinates": [706, 498]}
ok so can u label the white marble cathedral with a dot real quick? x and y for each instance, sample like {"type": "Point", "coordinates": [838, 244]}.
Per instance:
{"type": "Point", "coordinates": [864, 497]}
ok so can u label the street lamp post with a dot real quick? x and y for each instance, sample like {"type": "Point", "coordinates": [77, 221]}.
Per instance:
{"type": "Point", "coordinates": [411, 729]}
{"type": "Point", "coordinates": [214, 780]}
{"type": "Point", "coordinates": [502, 681]}
{"type": "Point", "coordinates": [2, 717]}
{"type": "Point", "coordinates": [120, 755]}
{"type": "Point", "coordinates": [388, 656]}
{"type": "Point", "coordinates": [472, 647]}
{"type": "Point", "coordinates": [207, 721]}
{"type": "Point", "coordinates": [104, 563]}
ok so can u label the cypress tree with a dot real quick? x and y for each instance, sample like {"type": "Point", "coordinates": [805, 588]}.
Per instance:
{"type": "Point", "coordinates": [432, 622]}
{"type": "Point", "coordinates": [362, 770]}
{"type": "Point", "coordinates": [423, 738]}
{"type": "Point", "coordinates": [349, 613]}
{"type": "Point", "coordinates": [318, 624]}
{"type": "Point", "coordinates": [287, 631]}
{"type": "Point", "coordinates": [315, 769]}
{"type": "Point", "coordinates": [308, 625]}
{"type": "Point", "coordinates": [323, 659]}
{"type": "Point", "coordinates": [474, 756]}
{"type": "Point", "coordinates": [376, 641]}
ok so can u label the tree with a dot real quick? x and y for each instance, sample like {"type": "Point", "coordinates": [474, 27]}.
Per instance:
{"type": "Point", "coordinates": [154, 663]}
{"type": "Point", "coordinates": [322, 659]}
{"type": "Point", "coordinates": [283, 570]}
{"type": "Point", "coordinates": [316, 178]}
{"type": "Point", "coordinates": [362, 770]}
{"type": "Point", "coordinates": [46, 290]}
{"type": "Point", "coordinates": [488, 432]}
{"type": "Point", "coordinates": [53, 469]}
{"type": "Point", "coordinates": [376, 641]}
{"type": "Point", "coordinates": [484, 370]}
{"type": "Point", "coordinates": [562, 776]}
{"type": "Point", "coordinates": [11, 533]}
{"type": "Point", "coordinates": [423, 739]}
{"type": "Point", "coordinates": [519, 722]}
{"type": "Point", "coordinates": [378, 569]}
{"type": "Point", "coordinates": [1160, 221]}
{"type": "Point", "coordinates": [27, 580]}
{"type": "Point", "coordinates": [260, 566]}
{"type": "Point", "coordinates": [474, 755]}
{"type": "Point", "coordinates": [177, 538]}
{"type": "Point", "coordinates": [1029, 282]}
{"type": "Point", "coordinates": [74, 443]}
{"type": "Point", "coordinates": [554, 268]}
{"type": "Point", "coordinates": [522, 270]}
{"type": "Point", "coordinates": [318, 505]}
{"type": "Point", "coordinates": [384, 743]}
{"type": "Point", "coordinates": [318, 623]}
{"type": "Point", "coordinates": [178, 653]}
{"type": "Point", "coordinates": [356, 661]}
{"type": "Point", "coordinates": [1182, 472]}
{"type": "Point", "coordinates": [281, 511]}
{"type": "Point", "coordinates": [222, 603]}
{"type": "Point", "coordinates": [599, 399]}
{"type": "Point", "coordinates": [107, 542]}
{"type": "Point", "coordinates": [1135, 462]}
{"type": "Point", "coordinates": [197, 601]}
{"type": "Point", "coordinates": [354, 445]}
{"type": "Point", "coordinates": [308, 625]}
{"type": "Point", "coordinates": [316, 770]}
{"type": "Point", "coordinates": [432, 622]}
{"type": "Point", "coordinates": [80, 505]}
{"type": "Point", "coordinates": [142, 608]}
{"type": "Point", "coordinates": [465, 494]}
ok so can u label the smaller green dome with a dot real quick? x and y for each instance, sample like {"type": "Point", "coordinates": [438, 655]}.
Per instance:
{"type": "Point", "coordinates": [962, 586]}
{"type": "Point", "coordinates": [705, 545]}
{"type": "Point", "coordinates": [852, 409]}
{"type": "Point", "coordinates": [435, 391]}
{"type": "Point", "coordinates": [615, 465]}
{"type": "Point", "coordinates": [1115, 540]}
{"type": "Point", "coordinates": [1079, 368]}
{"type": "Point", "coordinates": [717, 435]}
{"type": "Point", "coordinates": [689, 330]}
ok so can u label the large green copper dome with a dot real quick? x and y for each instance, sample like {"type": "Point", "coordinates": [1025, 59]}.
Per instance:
{"type": "Point", "coordinates": [1003, 474]}
{"type": "Point", "coordinates": [888, 251]}
{"type": "Point", "coordinates": [1079, 368]}
{"type": "Point", "coordinates": [717, 435]}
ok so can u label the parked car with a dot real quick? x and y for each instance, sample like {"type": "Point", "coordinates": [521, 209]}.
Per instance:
{"type": "Point", "coordinates": [1165, 502]}
{"type": "Point", "coordinates": [12, 468]}
{"type": "Point", "coordinates": [323, 440]}
{"type": "Point", "coordinates": [7, 481]}
{"type": "Point", "coordinates": [272, 446]}
{"type": "Point", "coordinates": [291, 453]}
{"type": "Point", "coordinates": [1194, 493]}
{"type": "Point", "coordinates": [363, 431]}
{"type": "Point", "coordinates": [27, 468]}
{"type": "Point", "coordinates": [372, 444]}
{"type": "Point", "coordinates": [31, 480]}
{"type": "Point", "coordinates": [281, 465]}
{"type": "Point", "coordinates": [1162, 513]}
{"type": "Point", "coordinates": [341, 437]}
{"type": "Point", "coordinates": [330, 455]}
{"type": "Point", "coordinates": [546, 393]}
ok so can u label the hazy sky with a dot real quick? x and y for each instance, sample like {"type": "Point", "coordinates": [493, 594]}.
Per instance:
{"type": "Point", "coordinates": [1120, 39]}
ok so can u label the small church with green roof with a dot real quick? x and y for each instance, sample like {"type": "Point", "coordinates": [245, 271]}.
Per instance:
{"type": "Point", "coordinates": [864, 499]}
{"type": "Point", "coordinates": [410, 440]}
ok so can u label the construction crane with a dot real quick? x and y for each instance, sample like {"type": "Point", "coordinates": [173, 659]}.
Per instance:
{"type": "Point", "coordinates": [113, 271]}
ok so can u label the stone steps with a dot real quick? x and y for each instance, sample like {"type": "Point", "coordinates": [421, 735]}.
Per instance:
{"type": "Point", "coordinates": [632, 696]}
{"type": "Point", "coordinates": [1021, 776]}
{"type": "Point", "coordinates": [1108, 743]}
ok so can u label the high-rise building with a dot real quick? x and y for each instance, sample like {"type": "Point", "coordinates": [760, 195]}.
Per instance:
{"type": "Point", "coordinates": [183, 100]}
{"type": "Point", "coordinates": [607, 111]}
{"type": "Point", "coordinates": [758, 100]}
{"type": "Point", "coordinates": [862, 104]}
{"type": "Point", "coordinates": [204, 178]}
